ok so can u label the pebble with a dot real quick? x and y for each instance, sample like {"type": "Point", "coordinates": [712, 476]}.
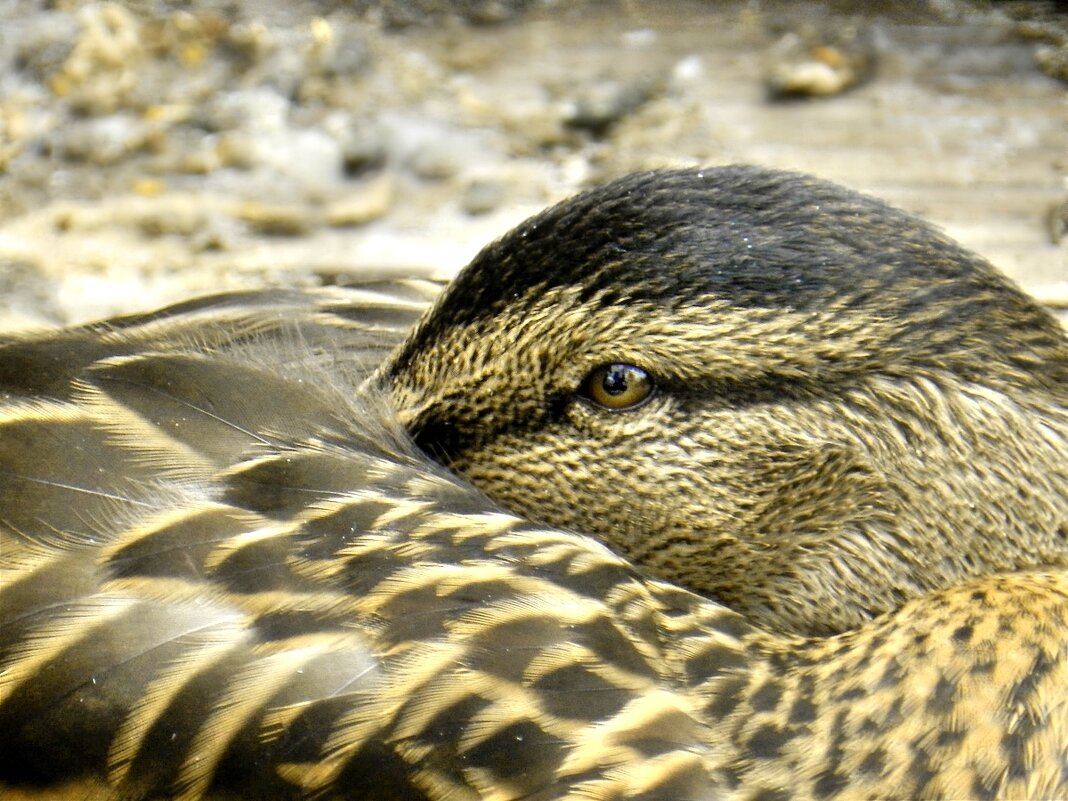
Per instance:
{"type": "Point", "coordinates": [260, 108]}
{"type": "Point", "coordinates": [148, 187]}
{"type": "Point", "coordinates": [217, 233]}
{"type": "Point", "coordinates": [307, 156]}
{"type": "Point", "coordinates": [1053, 60]}
{"type": "Point", "coordinates": [815, 63]}
{"type": "Point", "coordinates": [363, 148]}
{"type": "Point", "coordinates": [42, 44]}
{"type": "Point", "coordinates": [276, 219]}
{"type": "Point", "coordinates": [600, 105]}
{"type": "Point", "coordinates": [481, 196]}
{"type": "Point", "coordinates": [250, 43]}
{"type": "Point", "coordinates": [338, 50]}
{"type": "Point", "coordinates": [369, 202]}
{"type": "Point", "coordinates": [102, 70]}
{"type": "Point", "coordinates": [1057, 221]}
{"type": "Point", "coordinates": [434, 161]}
{"type": "Point", "coordinates": [102, 140]}
{"type": "Point", "coordinates": [258, 135]}
{"type": "Point", "coordinates": [174, 219]}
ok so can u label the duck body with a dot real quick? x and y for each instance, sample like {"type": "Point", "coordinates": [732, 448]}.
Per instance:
{"type": "Point", "coordinates": [227, 572]}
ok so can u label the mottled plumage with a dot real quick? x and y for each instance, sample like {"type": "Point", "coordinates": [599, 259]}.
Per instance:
{"type": "Point", "coordinates": [851, 409]}
{"type": "Point", "coordinates": [228, 573]}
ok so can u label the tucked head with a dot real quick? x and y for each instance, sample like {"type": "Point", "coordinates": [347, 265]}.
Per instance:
{"type": "Point", "coordinates": [781, 393]}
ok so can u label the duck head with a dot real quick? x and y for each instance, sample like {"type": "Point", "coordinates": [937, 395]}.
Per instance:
{"type": "Point", "coordinates": [775, 391]}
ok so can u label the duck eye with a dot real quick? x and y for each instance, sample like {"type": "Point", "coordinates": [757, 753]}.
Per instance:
{"type": "Point", "coordinates": [618, 386]}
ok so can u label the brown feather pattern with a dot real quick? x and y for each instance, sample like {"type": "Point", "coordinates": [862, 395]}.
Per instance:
{"type": "Point", "coordinates": [227, 573]}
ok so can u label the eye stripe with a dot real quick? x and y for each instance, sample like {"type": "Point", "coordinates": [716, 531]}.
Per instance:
{"type": "Point", "coordinates": [446, 435]}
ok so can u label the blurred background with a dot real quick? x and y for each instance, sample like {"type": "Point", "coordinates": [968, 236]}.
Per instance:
{"type": "Point", "coordinates": [150, 151]}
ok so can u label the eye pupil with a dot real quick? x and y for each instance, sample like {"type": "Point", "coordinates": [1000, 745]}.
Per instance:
{"type": "Point", "coordinates": [615, 379]}
{"type": "Point", "coordinates": [617, 386]}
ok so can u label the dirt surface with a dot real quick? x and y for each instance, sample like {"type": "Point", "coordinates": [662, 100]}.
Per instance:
{"type": "Point", "coordinates": [152, 151]}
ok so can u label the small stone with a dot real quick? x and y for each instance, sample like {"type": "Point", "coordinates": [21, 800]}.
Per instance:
{"type": "Point", "coordinates": [1053, 60]}
{"type": "Point", "coordinates": [148, 187]}
{"type": "Point", "coordinates": [250, 43]}
{"type": "Point", "coordinates": [102, 70]}
{"type": "Point", "coordinates": [363, 148]}
{"type": "Point", "coordinates": [482, 196]}
{"type": "Point", "coordinates": [642, 37]}
{"type": "Point", "coordinates": [176, 217]}
{"type": "Point", "coordinates": [815, 63]}
{"type": "Point", "coordinates": [17, 126]}
{"type": "Point", "coordinates": [167, 113]}
{"type": "Point", "coordinates": [217, 233]}
{"type": "Point", "coordinates": [202, 160]}
{"type": "Point", "coordinates": [257, 109]}
{"type": "Point", "coordinates": [1057, 220]}
{"type": "Point", "coordinates": [434, 161]}
{"type": "Point", "coordinates": [601, 105]}
{"type": "Point", "coordinates": [337, 50]}
{"type": "Point", "coordinates": [491, 12]}
{"type": "Point", "coordinates": [308, 156]}
{"type": "Point", "coordinates": [103, 140]}
{"type": "Point", "coordinates": [688, 70]}
{"type": "Point", "coordinates": [370, 202]}
{"type": "Point", "coordinates": [276, 219]}
{"type": "Point", "coordinates": [45, 43]}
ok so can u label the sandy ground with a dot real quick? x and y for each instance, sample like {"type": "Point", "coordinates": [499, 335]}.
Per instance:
{"type": "Point", "coordinates": [152, 151]}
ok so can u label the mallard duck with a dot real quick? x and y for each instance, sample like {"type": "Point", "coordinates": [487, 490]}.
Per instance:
{"type": "Point", "coordinates": [795, 399]}
{"type": "Point", "coordinates": [228, 571]}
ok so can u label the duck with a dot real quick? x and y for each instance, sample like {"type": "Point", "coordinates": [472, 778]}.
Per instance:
{"type": "Point", "coordinates": [777, 392]}
{"type": "Point", "coordinates": [259, 545]}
